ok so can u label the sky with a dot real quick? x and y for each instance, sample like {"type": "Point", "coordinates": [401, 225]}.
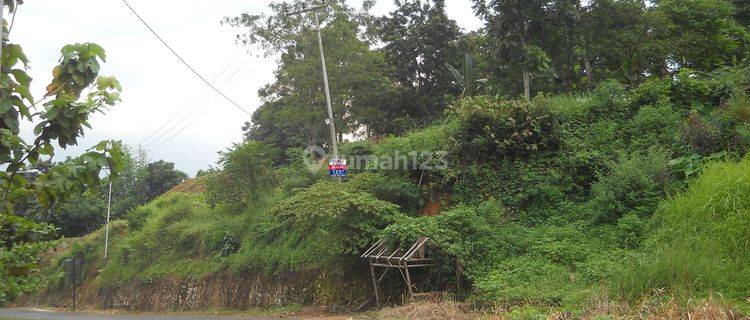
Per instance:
{"type": "Point", "coordinates": [158, 91]}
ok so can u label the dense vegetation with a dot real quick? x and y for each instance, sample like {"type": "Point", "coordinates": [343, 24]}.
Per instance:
{"type": "Point", "coordinates": [597, 152]}
{"type": "Point", "coordinates": [558, 202]}
{"type": "Point", "coordinates": [76, 92]}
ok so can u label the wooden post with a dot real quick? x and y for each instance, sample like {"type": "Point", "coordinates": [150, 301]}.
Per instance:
{"type": "Point", "coordinates": [408, 282]}
{"type": "Point", "coordinates": [375, 284]}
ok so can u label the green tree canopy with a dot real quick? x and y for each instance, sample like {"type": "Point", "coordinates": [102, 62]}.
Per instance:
{"type": "Point", "coordinates": [293, 113]}
{"type": "Point", "coordinates": [158, 178]}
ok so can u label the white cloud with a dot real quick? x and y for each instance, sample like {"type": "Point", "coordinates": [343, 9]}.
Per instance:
{"type": "Point", "coordinates": [156, 86]}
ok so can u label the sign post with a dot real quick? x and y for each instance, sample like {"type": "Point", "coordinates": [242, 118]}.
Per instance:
{"type": "Point", "coordinates": [74, 274]}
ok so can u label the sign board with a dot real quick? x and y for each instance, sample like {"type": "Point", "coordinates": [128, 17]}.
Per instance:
{"type": "Point", "coordinates": [73, 270]}
{"type": "Point", "coordinates": [337, 167]}
{"type": "Point", "coordinates": [74, 274]}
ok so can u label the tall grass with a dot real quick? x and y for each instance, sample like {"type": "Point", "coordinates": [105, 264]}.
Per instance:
{"type": "Point", "coordinates": [701, 241]}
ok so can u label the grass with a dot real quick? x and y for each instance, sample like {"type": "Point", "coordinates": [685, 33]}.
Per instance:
{"type": "Point", "coordinates": [700, 243]}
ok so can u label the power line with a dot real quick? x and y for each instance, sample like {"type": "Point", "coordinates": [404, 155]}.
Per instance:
{"type": "Point", "coordinates": [185, 117]}
{"type": "Point", "coordinates": [183, 60]}
{"type": "Point", "coordinates": [189, 123]}
{"type": "Point", "coordinates": [174, 135]}
{"type": "Point", "coordinates": [164, 125]}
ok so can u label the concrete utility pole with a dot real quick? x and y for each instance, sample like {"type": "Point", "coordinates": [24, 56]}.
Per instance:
{"type": "Point", "coordinates": [332, 125]}
{"type": "Point", "coordinates": [2, 31]}
{"type": "Point", "coordinates": [109, 209]}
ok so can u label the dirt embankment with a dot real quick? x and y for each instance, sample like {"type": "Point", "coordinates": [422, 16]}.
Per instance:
{"type": "Point", "coordinates": [225, 291]}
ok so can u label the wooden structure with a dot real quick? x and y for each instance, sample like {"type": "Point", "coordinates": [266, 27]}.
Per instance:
{"type": "Point", "coordinates": [380, 256]}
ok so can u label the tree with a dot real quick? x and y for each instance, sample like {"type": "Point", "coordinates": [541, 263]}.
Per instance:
{"type": "Point", "coordinates": [702, 34]}
{"type": "Point", "coordinates": [125, 193]}
{"type": "Point", "coordinates": [516, 30]}
{"type": "Point", "coordinates": [620, 42]}
{"type": "Point", "coordinates": [26, 172]}
{"type": "Point", "coordinates": [247, 173]}
{"type": "Point", "coordinates": [420, 42]}
{"type": "Point", "coordinates": [293, 113]}
{"type": "Point", "coordinates": [158, 178]}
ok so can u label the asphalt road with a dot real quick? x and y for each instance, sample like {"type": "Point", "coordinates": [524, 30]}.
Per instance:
{"type": "Point", "coordinates": [40, 314]}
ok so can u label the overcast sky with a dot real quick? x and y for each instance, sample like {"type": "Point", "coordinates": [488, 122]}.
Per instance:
{"type": "Point", "coordinates": [156, 87]}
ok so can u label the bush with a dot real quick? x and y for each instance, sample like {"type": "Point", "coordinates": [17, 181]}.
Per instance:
{"type": "Point", "coordinates": [635, 184]}
{"type": "Point", "coordinates": [137, 217]}
{"type": "Point", "coordinates": [499, 128]}
{"type": "Point", "coordinates": [654, 126]}
{"type": "Point", "coordinates": [325, 226]}
{"type": "Point", "coordinates": [701, 242]}
{"type": "Point", "coordinates": [392, 188]}
{"type": "Point", "coordinates": [21, 243]}
{"type": "Point", "coordinates": [248, 172]}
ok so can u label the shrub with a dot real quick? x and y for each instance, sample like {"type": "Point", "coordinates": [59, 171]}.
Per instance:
{"type": "Point", "coordinates": [325, 226]}
{"type": "Point", "coordinates": [654, 126]}
{"type": "Point", "coordinates": [393, 188]}
{"type": "Point", "coordinates": [501, 128]}
{"type": "Point", "coordinates": [248, 172]}
{"type": "Point", "coordinates": [610, 99]}
{"type": "Point", "coordinates": [635, 184]}
{"type": "Point", "coordinates": [137, 217]}
{"type": "Point", "coordinates": [701, 242]}
{"type": "Point", "coordinates": [701, 136]}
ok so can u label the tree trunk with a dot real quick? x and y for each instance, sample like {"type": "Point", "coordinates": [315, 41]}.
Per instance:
{"type": "Point", "coordinates": [526, 83]}
{"type": "Point", "coordinates": [526, 72]}
{"type": "Point", "coordinates": [589, 72]}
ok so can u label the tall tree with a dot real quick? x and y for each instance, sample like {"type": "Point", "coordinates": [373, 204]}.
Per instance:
{"type": "Point", "coordinates": [293, 113]}
{"type": "Point", "coordinates": [702, 34]}
{"type": "Point", "coordinates": [516, 29]}
{"type": "Point", "coordinates": [620, 41]}
{"type": "Point", "coordinates": [158, 178]}
{"type": "Point", "coordinates": [420, 42]}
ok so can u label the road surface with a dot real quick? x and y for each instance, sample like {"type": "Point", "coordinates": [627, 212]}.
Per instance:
{"type": "Point", "coordinates": [41, 314]}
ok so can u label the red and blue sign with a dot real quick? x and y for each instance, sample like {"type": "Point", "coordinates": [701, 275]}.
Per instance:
{"type": "Point", "coordinates": [337, 167]}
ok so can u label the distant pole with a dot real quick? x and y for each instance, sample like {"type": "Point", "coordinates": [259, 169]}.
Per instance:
{"type": "Point", "coordinates": [2, 31]}
{"type": "Point", "coordinates": [327, 88]}
{"type": "Point", "coordinates": [109, 209]}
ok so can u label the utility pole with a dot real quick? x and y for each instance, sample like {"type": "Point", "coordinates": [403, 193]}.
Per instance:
{"type": "Point", "coordinates": [109, 209]}
{"type": "Point", "coordinates": [2, 31]}
{"type": "Point", "coordinates": [332, 126]}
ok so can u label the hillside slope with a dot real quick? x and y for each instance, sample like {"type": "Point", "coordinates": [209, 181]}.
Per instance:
{"type": "Point", "coordinates": [541, 203]}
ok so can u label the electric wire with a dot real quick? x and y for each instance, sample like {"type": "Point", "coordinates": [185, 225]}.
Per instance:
{"type": "Point", "coordinates": [176, 114]}
{"type": "Point", "coordinates": [179, 57]}
{"type": "Point", "coordinates": [194, 119]}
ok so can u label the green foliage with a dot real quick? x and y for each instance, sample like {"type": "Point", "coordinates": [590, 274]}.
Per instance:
{"type": "Point", "coordinates": [166, 235]}
{"type": "Point", "coordinates": [702, 33]}
{"type": "Point", "coordinates": [247, 174]}
{"type": "Point", "coordinates": [325, 227]}
{"type": "Point", "coordinates": [634, 185]}
{"type": "Point", "coordinates": [291, 113]}
{"type": "Point", "coordinates": [700, 240]}
{"type": "Point", "coordinates": [158, 178]}
{"type": "Point", "coordinates": [391, 188]}
{"type": "Point", "coordinates": [25, 174]}
{"type": "Point", "coordinates": [419, 44]}
{"type": "Point", "coordinates": [137, 217]}
{"type": "Point", "coordinates": [509, 262]}
{"type": "Point", "coordinates": [496, 128]}
{"type": "Point", "coordinates": [21, 243]}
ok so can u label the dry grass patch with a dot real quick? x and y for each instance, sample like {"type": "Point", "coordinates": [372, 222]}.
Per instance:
{"type": "Point", "coordinates": [428, 310]}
